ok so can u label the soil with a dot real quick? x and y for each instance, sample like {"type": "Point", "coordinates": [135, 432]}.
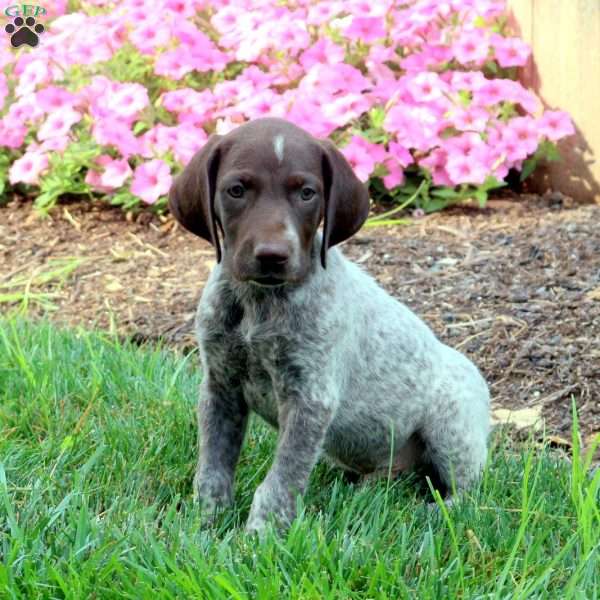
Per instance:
{"type": "Point", "coordinates": [515, 286]}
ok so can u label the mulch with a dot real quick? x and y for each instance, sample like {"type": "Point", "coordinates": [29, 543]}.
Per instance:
{"type": "Point", "coordinates": [515, 286]}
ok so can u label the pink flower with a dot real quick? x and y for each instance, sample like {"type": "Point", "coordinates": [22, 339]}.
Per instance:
{"type": "Point", "coordinates": [151, 180]}
{"type": "Point", "coordinates": [510, 52]}
{"type": "Point", "coordinates": [3, 90]}
{"type": "Point", "coordinates": [127, 100]}
{"type": "Point", "coordinates": [490, 93]}
{"type": "Point", "coordinates": [366, 29]}
{"type": "Point", "coordinates": [113, 175]}
{"type": "Point", "coordinates": [150, 35]}
{"type": "Point", "coordinates": [322, 51]}
{"type": "Point", "coordinates": [511, 147]}
{"type": "Point", "coordinates": [58, 123]}
{"type": "Point", "coordinates": [363, 156]}
{"type": "Point", "coordinates": [463, 169]}
{"type": "Point", "coordinates": [555, 124]}
{"type": "Point", "coordinates": [435, 163]}
{"type": "Point", "coordinates": [35, 72]}
{"type": "Point", "coordinates": [470, 119]}
{"type": "Point", "coordinates": [525, 129]}
{"type": "Point", "coordinates": [342, 109]}
{"type": "Point", "coordinates": [467, 80]}
{"type": "Point", "coordinates": [173, 64]}
{"type": "Point", "coordinates": [323, 12]}
{"type": "Point", "coordinates": [463, 144]}
{"type": "Point", "coordinates": [471, 47]}
{"type": "Point", "coordinates": [118, 134]}
{"type": "Point", "coordinates": [27, 169]}
{"type": "Point", "coordinates": [426, 87]}
{"type": "Point", "coordinates": [398, 158]}
{"type": "Point", "coordinates": [12, 134]}
{"type": "Point", "coordinates": [56, 144]}
{"type": "Point", "coordinates": [53, 97]}
{"type": "Point", "coordinates": [25, 110]}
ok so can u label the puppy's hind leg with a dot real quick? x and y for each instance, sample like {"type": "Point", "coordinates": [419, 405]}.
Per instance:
{"type": "Point", "coordinates": [456, 443]}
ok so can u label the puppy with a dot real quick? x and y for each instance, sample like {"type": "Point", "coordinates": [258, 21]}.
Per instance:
{"type": "Point", "coordinates": [290, 329]}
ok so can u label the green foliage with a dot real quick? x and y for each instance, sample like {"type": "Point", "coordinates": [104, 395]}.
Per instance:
{"type": "Point", "coordinates": [67, 173]}
{"type": "Point", "coordinates": [97, 454]}
{"type": "Point", "coordinates": [546, 151]}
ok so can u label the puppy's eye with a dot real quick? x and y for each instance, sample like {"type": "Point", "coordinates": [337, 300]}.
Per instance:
{"type": "Point", "coordinates": [307, 193]}
{"type": "Point", "coordinates": [236, 191]}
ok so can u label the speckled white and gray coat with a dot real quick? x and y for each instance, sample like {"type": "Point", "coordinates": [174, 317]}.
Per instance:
{"type": "Point", "coordinates": [339, 367]}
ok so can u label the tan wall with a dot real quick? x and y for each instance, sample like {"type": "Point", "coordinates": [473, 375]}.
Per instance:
{"type": "Point", "coordinates": [565, 72]}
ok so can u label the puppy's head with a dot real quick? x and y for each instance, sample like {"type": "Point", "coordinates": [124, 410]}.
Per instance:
{"type": "Point", "coordinates": [265, 188]}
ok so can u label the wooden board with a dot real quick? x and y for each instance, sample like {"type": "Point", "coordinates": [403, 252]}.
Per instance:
{"type": "Point", "coordinates": [565, 73]}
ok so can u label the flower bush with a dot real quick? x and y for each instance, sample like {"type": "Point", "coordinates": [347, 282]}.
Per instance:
{"type": "Point", "coordinates": [421, 95]}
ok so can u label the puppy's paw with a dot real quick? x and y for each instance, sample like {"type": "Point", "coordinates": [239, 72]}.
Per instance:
{"type": "Point", "coordinates": [213, 495]}
{"type": "Point", "coordinates": [271, 505]}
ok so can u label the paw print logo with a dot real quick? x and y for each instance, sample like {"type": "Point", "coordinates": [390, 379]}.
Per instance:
{"type": "Point", "coordinates": [24, 32]}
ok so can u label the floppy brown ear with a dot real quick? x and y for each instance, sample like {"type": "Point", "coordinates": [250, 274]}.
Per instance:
{"type": "Point", "coordinates": [192, 194]}
{"type": "Point", "coordinates": [346, 199]}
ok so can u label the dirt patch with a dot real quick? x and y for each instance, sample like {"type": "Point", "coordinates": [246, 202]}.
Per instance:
{"type": "Point", "coordinates": [516, 287]}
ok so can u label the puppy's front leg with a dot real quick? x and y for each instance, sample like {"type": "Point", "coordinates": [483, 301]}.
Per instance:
{"type": "Point", "coordinates": [303, 424]}
{"type": "Point", "coordinates": [222, 419]}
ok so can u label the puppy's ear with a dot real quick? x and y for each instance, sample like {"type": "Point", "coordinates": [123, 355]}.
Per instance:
{"type": "Point", "coordinates": [192, 195]}
{"type": "Point", "coordinates": [346, 199]}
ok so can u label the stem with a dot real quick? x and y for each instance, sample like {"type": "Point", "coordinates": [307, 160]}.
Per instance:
{"type": "Point", "coordinates": [397, 209]}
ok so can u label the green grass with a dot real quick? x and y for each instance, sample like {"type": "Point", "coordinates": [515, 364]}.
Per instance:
{"type": "Point", "coordinates": [97, 452]}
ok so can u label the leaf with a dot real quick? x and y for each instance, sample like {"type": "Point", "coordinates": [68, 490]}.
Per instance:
{"type": "Point", "coordinates": [522, 418]}
{"type": "Point", "coordinates": [113, 286]}
{"type": "Point", "coordinates": [436, 204]}
{"type": "Point", "coordinates": [446, 192]}
{"type": "Point", "coordinates": [481, 197]}
{"type": "Point", "coordinates": [66, 443]}
{"type": "Point", "coordinates": [528, 168]}
{"type": "Point", "coordinates": [593, 294]}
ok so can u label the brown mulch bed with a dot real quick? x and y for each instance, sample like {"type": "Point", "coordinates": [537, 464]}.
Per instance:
{"type": "Point", "coordinates": [516, 287]}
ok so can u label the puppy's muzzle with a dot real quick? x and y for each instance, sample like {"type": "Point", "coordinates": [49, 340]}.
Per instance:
{"type": "Point", "coordinates": [271, 263]}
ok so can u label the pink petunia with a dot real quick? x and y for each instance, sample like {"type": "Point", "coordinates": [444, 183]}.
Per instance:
{"type": "Point", "coordinates": [118, 134]}
{"type": "Point", "coordinates": [556, 124]}
{"type": "Point", "coordinates": [510, 52]}
{"type": "Point", "coordinates": [128, 100]}
{"type": "Point", "coordinates": [151, 180]}
{"type": "Point", "coordinates": [464, 169]}
{"type": "Point", "coordinates": [173, 64]}
{"type": "Point", "coordinates": [150, 36]}
{"type": "Point", "coordinates": [366, 29]}
{"type": "Point", "coordinates": [526, 131]}
{"type": "Point", "coordinates": [28, 168]}
{"type": "Point", "coordinates": [3, 89]}
{"type": "Point", "coordinates": [58, 123]}
{"type": "Point", "coordinates": [322, 12]}
{"type": "Point", "coordinates": [471, 47]}
{"type": "Point", "coordinates": [322, 51]}
{"type": "Point", "coordinates": [35, 73]}
{"type": "Point", "coordinates": [470, 119]}
{"type": "Point", "coordinates": [343, 109]}
{"type": "Point", "coordinates": [12, 134]}
{"type": "Point", "coordinates": [363, 156]}
{"type": "Point", "coordinates": [113, 175]}
{"type": "Point", "coordinates": [53, 97]}
{"type": "Point", "coordinates": [426, 87]}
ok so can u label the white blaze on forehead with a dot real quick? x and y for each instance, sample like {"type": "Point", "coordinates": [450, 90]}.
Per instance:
{"type": "Point", "coordinates": [278, 143]}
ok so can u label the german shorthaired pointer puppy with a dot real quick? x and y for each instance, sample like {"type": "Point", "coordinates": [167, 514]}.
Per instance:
{"type": "Point", "coordinates": [292, 330]}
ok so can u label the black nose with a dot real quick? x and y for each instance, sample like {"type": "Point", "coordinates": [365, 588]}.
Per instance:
{"type": "Point", "coordinates": [271, 255]}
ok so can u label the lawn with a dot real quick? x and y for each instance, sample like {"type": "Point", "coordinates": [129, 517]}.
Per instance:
{"type": "Point", "coordinates": [97, 452]}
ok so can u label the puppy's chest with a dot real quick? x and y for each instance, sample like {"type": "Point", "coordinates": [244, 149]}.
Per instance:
{"type": "Point", "coordinates": [258, 354]}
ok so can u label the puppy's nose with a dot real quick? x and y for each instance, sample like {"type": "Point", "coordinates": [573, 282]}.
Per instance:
{"type": "Point", "coordinates": [271, 255]}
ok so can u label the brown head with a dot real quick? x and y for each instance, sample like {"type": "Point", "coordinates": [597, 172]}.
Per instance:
{"type": "Point", "coordinates": [265, 188]}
